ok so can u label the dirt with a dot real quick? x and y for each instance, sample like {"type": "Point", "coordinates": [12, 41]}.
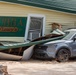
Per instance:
{"type": "Point", "coordinates": [40, 67]}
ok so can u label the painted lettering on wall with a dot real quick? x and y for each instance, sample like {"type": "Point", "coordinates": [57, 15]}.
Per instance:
{"type": "Point", "coordinates": [12, 26]}
{"type": "Point", "coordinates": [8, 29]}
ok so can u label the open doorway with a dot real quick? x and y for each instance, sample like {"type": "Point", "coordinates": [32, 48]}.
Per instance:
{"type": "Point", "coordinates": [35, 27]}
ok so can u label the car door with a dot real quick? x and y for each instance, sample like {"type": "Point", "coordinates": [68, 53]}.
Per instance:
{"type": "Point", "coordinates": [73, 45]}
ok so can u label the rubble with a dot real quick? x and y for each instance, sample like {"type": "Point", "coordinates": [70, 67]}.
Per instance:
{"type": "Point", "coordinates": [3, 70]}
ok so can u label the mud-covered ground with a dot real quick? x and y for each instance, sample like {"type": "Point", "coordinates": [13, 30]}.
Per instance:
{"type": "Point", "coordinates": [40, 67]}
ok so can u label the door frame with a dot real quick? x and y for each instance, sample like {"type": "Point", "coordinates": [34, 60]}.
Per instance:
{"type": "Point", "coordinates": [28, 24]}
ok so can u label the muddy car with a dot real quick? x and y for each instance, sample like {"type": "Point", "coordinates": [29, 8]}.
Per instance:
{"type": "Point", "coordinates": [61, 50]}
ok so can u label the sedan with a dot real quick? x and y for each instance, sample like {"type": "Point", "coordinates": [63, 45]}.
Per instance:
{"type": "Point", "coordinates": [61, 50]}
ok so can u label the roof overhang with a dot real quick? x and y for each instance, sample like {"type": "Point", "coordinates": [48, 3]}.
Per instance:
{"type": "Point", "coordinates": [68, 6]}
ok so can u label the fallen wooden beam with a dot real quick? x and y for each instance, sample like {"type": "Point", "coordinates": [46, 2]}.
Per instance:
{"type": "Point", "coordinates": [5, 56]}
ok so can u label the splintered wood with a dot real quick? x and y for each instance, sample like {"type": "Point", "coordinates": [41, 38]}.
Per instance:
{"type": "Point", "coordinates": [3, 70]}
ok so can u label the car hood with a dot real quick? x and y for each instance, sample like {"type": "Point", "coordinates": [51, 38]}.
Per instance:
{"type": "Point", "coordinates": [57, 41]}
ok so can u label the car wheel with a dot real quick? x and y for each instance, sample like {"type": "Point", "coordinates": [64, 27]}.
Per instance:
{"type": "Point", "coordinates": [63, 55]}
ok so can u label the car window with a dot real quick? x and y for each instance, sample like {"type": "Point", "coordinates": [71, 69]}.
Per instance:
{"type": "Point", "coordinates": [74, 36]}
{"type": "Point", "coordinates": [67, 35]}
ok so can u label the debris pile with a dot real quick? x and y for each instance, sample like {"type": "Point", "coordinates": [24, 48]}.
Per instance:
{"type": "Point", "coordinates": [3, 70]}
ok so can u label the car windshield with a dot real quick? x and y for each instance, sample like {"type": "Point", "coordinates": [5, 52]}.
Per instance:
{"type": "Point", "coordinates": [68, 35]}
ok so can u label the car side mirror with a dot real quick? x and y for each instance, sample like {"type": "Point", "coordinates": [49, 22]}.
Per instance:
{"type": "Point", "coordinates": [74, 39]}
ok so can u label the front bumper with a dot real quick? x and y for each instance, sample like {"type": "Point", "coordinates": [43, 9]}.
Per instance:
{"type": "Point", "coordinates": [41, 55]}
{"type": "Point", "coordinates": [44, 52]}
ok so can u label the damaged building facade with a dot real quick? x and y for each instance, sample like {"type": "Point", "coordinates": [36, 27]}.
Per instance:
{"type": "Point", "coordinates": [22, 20]}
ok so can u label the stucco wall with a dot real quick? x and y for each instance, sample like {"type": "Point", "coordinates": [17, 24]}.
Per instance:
{"type": "Point", "coordinates": [7, 9]}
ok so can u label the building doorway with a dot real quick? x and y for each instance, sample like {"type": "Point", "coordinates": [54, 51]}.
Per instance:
{"type": "Point", "coordinates": [35, 27]}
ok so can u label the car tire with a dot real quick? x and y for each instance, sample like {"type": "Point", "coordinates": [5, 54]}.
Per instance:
{"type": "Point", "coordinates": [63, 55]}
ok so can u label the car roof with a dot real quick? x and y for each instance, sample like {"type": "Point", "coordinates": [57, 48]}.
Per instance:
{"type": "Point", "coordinates": [71, 30]}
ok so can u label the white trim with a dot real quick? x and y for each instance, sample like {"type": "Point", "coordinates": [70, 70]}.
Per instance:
{"type": "Point", "coordinates": [28, 23]}
{"type": "Point", "coordinates": [15, 39]}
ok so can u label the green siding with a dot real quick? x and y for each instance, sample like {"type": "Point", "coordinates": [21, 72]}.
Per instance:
{"type": "Point", "coordinates": [60, 5]}
{"type": "Point", "coordinates": [12, 26]}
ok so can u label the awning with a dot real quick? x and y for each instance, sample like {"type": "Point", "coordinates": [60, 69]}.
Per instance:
{"type": "Point", "coordinates": [68, 6]}
{"type": "Point", "coordinates": [24, 44]}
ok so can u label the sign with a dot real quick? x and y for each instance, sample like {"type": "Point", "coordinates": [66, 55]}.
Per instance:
{"type": "Point", "coordinates": [12, 26]}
